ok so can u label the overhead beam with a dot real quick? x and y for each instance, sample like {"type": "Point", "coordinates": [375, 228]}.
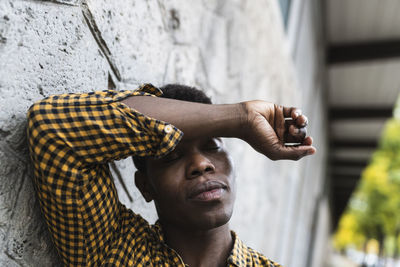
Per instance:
{"type": "Point", "coordinates": [349, 169]}
{"type": "Point", "coordinates": [336, 177]}
{"type": "Point", "coordinates": [348, 113]}
{"type": "Point", "coordinates": [340, 185]}
{"type": "Point", "coordinates": [349, 143]}
{"type": "Point", "coordinates": [342, 193]}
{"type": "Point", "coordinates": [338, 162]}
{"type": "Point", "coordinates": [350, 184]}
{"type": "Point", "coordinates": [365, 51]}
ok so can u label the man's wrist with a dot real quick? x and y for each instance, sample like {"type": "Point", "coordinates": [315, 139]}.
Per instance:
{"type": "Point", "coordinates": [243, 118]}
{"type": "Point", "coordinates": [229, 120]}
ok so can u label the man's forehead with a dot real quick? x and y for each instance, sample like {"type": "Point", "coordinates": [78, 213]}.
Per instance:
{"type": "Point", "coordinates": [199, 141]}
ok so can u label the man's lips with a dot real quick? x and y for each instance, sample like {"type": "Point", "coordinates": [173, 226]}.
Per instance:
{"type": "Point", "coordinates": [207, 191]}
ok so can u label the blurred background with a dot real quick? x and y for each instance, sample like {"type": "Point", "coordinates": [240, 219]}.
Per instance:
{"type": "Point", "coordinates": [338, 60]}
{"type": "Point", "coordinates": [361, 51]}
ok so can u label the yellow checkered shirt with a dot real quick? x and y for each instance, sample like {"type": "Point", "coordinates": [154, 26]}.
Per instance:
{"type": "Point", "coordinates": [72, 137]}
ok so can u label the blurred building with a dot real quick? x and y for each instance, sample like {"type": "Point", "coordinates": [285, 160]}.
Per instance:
{"type": "Point", "coordinates": [334, 59]}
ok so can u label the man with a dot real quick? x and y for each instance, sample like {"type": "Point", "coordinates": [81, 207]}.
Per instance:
{"type": "Point", "coordinates": [182, 165]}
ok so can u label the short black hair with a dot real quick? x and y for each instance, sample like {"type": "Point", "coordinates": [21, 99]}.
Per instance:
{"type": "Point", "coordinates": [178, 92]}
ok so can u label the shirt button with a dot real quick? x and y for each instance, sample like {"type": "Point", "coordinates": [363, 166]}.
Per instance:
{"type": "Point", "coordinates": [168, 129]}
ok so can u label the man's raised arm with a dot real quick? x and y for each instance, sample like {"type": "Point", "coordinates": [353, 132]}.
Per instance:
{"type": "Point", "coordinates": [259, 123]}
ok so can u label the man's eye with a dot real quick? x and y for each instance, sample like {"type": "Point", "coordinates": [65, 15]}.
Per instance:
{"type": "Point", "coordinates": [171, 157]}
{"type": "Point", "coordinates": [213, 147]}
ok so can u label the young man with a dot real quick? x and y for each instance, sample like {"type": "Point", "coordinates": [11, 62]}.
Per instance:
{"type": "Point", "coordinates": [182, 165]}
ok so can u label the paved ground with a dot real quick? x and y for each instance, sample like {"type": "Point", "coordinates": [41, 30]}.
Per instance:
{"type": "Point", "coordinates": [337, 260]}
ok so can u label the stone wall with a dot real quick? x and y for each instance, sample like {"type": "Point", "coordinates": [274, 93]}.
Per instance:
{"type": "Point", "coordinates": [234, 50]}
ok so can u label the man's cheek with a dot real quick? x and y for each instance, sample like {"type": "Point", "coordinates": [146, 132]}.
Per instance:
{"type": "Point", "coordinates": [166, 189]}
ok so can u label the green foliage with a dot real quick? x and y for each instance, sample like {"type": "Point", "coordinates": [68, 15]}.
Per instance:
{"type": "Point", "coordinates": [374, 210]}
{"type": "Point", "coordinates": [348, 232]}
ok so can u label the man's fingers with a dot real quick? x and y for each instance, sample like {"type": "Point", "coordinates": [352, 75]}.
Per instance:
{"type": "Point", "coordinates": [287, 111]}
{"type": "Point", "coordinates": [301, 121]}
{"type": "Point", "coordinates": [308, 141]}
{"type": "Point", "coordinates": [297, 133]}
{"type": "Point", "coordinates": [296, 153]}
{"type": "Point", "coordinates": [279, 123]}
{"type": "Point", "coordinates": [296, 114]}
{"type": "Point", "coordinates": [291, 112]}
{"type": "Point", "coordinates": [294, 133]}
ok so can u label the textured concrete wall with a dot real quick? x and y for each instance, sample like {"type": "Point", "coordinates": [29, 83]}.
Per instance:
{"type": "Point", "coordinates": [234, 50]}
{"type": "Point", "coordinates": [308, 227]}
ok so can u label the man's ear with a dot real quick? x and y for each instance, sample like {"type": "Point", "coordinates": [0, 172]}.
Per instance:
{"type": "Point", "coordinates": [142, 183]}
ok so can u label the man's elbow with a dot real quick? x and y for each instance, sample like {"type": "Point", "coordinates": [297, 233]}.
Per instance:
{"type": "Point", "coordinates": [36, 118]}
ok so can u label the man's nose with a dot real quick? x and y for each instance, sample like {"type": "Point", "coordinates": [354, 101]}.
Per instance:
{"type": "Point", "coordinates": [198, 165]}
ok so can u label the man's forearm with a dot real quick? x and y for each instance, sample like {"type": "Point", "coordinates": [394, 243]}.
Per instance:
{"type": "Point", "coordinates": [196, 120]}
{"type": "Point", "coordinates": [261, 124]}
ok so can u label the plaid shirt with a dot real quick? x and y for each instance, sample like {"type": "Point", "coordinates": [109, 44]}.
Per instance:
{"type": "Point", "coordinates": [72, 137]}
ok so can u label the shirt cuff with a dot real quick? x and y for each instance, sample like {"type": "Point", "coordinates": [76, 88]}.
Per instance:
{"type": "Point", "coordinates": [164, 137]}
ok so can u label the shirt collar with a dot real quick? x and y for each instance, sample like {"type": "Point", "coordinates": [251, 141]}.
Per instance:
{"type": "Point", "coordinates": [159, 236]}
{"type": "Point", "coordinates": [240, 254]}
{"type": "Point", "coordinates": [151, 89]}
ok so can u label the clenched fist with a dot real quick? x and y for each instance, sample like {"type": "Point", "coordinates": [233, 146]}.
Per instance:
{"type": "Point", "coordinates": [270, 129]}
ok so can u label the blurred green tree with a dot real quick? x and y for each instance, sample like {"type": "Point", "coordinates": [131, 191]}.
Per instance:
{"type": "Point", "coordinates": [374, 209]}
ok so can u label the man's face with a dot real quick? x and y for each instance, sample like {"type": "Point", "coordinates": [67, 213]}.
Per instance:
{"type": "Point", "coordinates": [193, 186]}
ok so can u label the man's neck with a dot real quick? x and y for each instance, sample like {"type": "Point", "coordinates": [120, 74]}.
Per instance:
{"type": "Point", "coordinates": [200, 248]}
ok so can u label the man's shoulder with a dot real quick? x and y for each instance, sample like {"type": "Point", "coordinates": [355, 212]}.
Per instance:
{"type": "Point", "coordinates": [243, 255]}
{"type": "Point", "coordinates": [260, 259]}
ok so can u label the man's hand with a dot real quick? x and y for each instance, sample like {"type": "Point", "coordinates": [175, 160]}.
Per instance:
{"type": "Point", "coordinates": [268, 127]}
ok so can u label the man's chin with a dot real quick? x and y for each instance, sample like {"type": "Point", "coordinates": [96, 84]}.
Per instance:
{"type": "Point", "coordinates": [199, 218]}
{"type": "Point", "coordinates": [211, 221]}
